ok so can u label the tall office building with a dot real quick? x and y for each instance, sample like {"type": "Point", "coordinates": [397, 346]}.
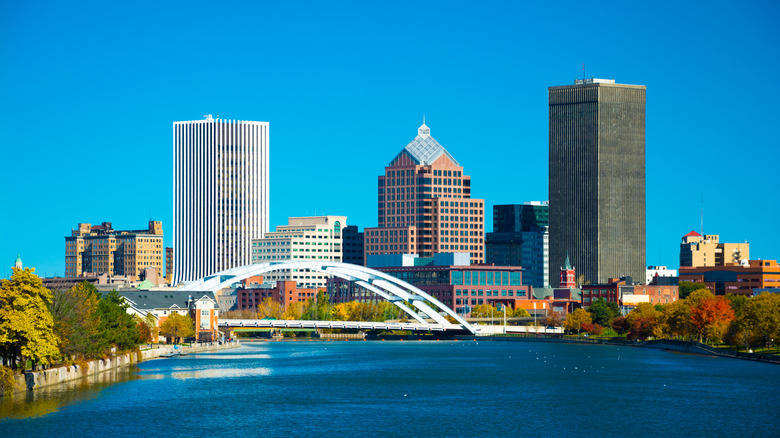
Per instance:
{"type": "Point", "coordinates": [597, 179]}
{"type": "Point", "coordinates": [220, 194]}
{"type": "Point", "coordinates": [311, 238]}
{"type": "Point", "coordinates": [520, 237]}
{"type": "Point", "coordinates": [425, 205]}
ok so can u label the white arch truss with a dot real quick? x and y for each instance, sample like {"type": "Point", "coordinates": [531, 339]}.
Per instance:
{"type": "Point", "coordinates": [398, 292]}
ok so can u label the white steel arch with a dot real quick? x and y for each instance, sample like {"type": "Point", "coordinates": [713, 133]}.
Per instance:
{"type": "Point", "coordinates": [398, 292]}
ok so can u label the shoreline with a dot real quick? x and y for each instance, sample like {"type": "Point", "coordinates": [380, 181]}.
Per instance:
{"type": "Point", "coordinates": [32, 380]}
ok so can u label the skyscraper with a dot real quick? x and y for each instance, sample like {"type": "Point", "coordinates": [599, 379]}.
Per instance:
{"type": "Point", "coordinates": [597, 179]}
{"type": "Point", "coordinates": [425, 205]}
{"type": "Point", "coordinates": [220, 194]}
{"type": "Point", "coordinates": [520, 237]}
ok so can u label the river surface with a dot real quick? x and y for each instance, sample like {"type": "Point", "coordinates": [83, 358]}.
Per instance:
{"type": "Point", "coordinates": [411, 389]}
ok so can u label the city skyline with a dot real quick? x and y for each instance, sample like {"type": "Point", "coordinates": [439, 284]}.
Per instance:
{"type": "Point", "coordinates": [89, 95]}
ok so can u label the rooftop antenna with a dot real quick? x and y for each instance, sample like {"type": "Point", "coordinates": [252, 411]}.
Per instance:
{"type": "Point", "coordinates": [583, 71]}
{"type": "Point", "coordinates": [702, 214]}
{"type": "Point", "coordinates": [423, 118]}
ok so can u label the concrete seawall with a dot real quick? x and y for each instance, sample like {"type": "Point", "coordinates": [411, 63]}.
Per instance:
{"type": "Point", "coordinates": [38, 379]}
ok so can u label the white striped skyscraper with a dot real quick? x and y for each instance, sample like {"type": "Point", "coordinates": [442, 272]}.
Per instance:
{"type": "Point", "coordinates": [220, 194]}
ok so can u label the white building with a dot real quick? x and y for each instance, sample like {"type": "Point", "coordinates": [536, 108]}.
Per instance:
{"type": "Point", "coordinates": [220, 194]}
{"type": "Point", "coordinates": [305, 238]}
{"type": "Point", "coordinates": [660, 271]}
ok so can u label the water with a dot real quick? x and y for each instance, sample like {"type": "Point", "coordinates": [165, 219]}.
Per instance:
{"type": "Point", "coordinates": [410, 388]}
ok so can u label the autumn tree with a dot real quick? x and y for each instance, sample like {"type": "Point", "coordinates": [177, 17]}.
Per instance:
{"type": "Point", "coordinates": [294, 311]}
{"type": "Point", "coordinates": [26, 323]}
{"type": "Point", "coordinates": [269, 308]}
{"type": "Point", "coordinates": [553, 319]}
{"type": "Point", "coordinates": [519, 312]}
{"type": "Point", "coordinates": [757, 321]}
{"type": "Point", "coordinates": [76, 320]}
{"type": "Point", "coordinates": [177, 326]}
{"type": "Point", "coordinates": [711, 317]}
{"type": "Point", "coordinates": [677, 319]}
{"type": "Point", "coordinates": [575, 320]}
{"type": "Point", "coordinates": [619, 325]}
{"type": "Point", "coordinates": [318, 307]}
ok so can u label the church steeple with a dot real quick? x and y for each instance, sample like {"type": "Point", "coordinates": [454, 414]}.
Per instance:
{"type": "Point", "coordinates": [18, 262]}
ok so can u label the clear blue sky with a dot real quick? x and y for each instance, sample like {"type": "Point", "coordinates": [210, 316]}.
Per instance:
{"type": "Point", "coordinates": [89, 91]}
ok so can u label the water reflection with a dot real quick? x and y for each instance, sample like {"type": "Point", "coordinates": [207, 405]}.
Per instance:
{"type": "Point", "coordinates": [46, 400]}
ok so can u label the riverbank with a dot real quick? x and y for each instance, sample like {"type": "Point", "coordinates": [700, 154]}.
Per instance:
{"type": "Point", "coordinates": [664, 344]}
{"type": "Point", "coordinates": [33, 380]}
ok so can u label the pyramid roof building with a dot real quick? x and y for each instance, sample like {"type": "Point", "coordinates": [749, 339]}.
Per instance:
{"type": "Point", "coordinates": [424, 149]}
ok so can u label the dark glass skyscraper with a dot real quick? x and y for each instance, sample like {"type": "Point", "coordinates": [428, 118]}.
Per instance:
{"type": "Point", "coordinates": [520, 238]}
{"type": "Point", "coordinates": [597, 179]}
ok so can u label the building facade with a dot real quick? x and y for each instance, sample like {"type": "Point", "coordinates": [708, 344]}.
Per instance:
{"type": "Point", "coordinates": [697, 250]}
{"type": "Point", "coordinates": [100, 249]}
{"type": "Point", "coordinates": [283, 292]}
{"type": "Point", "coordinates": [303, 238]}
{"type": "Point", "coordinates": [353, 245]}
{"type": "Point", "coordinates": [220, 194]}
{"type": "Point", "coordinates": [520, 237]}
{"type": "Point", "coordinates": [597, 178]}
{"type": "Point", "coordinates": [738, 279]}
{"type": "Point", "coordinates": [653, 274]}
{"type": "Point", "coordinates": [425, 205]}
{"type": "Point", "coordinates": [448, 277]}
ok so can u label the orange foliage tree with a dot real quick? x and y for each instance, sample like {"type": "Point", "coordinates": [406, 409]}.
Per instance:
{"type": "Point", "coordinates": [711, 317]}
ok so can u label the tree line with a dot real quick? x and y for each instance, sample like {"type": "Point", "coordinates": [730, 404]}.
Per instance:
{"type": "Point", "coordinates": [741, 321]}
{"type": "Point", "coordinates": [71, 325]}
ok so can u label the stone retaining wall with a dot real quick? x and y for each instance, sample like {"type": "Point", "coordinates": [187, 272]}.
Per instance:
{"type": "Point", "coordinates": [30, 381]}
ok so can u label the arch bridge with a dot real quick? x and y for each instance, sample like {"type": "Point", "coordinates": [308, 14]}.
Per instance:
{"type": "Point", "coordinates": [418, 304]}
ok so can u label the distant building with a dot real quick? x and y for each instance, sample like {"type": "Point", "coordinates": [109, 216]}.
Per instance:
{"type": "Point", "coordinates": [655, 272]}
{"type": "Point", "coordinates": [568, 275]}
{"type": "Point", "coordinates": [520, 237]}
{"type": "Point", "coordinates": [303, 238]}
{"type": "Point", "coordinates": [697, 250]}
{"type": "Point", "coordinates": [169, 264]}
{"type": "Point", "coordinates": [101, 282]}
{"type": "Point", "coordinates": [739, 279]}
{"type": "Point", "coordinates": [283, 292]}
{"type": "Point", "coordinates": [425, 205]}
{"type": "Point", "coordinates": [200, 306]}
{"type": "Point", "coordinates": [597, 178]}
{"type": "Point", "coordinates": [448, 277]}
{"type": "Point", "coordinates": [220, 194]}
{"type": "Point", "coordinates": [100, 249]}
{"type": "Point", "coordinates": [352, 247]}
{"type": "Point", "coordinates": [18, 262]}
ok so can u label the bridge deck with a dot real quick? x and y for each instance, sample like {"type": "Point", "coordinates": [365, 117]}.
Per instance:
{"type": "Point", "coordinates": [359, 325]}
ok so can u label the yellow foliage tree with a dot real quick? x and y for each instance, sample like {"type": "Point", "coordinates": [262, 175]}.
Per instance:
{"type": "Point", "coordinates": [26, 323]}
{"type": "Point", "coordinates": [294, 311]}
{"type": "Point", "coordinates": [177, 326]}
{"type": "Point", "coordinates": [575, 320]}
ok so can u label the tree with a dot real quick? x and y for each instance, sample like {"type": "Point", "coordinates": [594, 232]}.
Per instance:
{"type": "Point", "coordinates": [575, 320]}
{"type": "Point", "coordinates": [641, 328]}
{"type": "Point", "coordinates": [642, 310]}
{"type": "Point", "coordinates": [677, 319]}
{"type": "Point", "coordinates": [76, 320]}
{"type": "Point", "coordinates": [553, 319]}
{"type": "Point", "coordinates": [602, 312]}
{"type": "Point", "coordinates": [177, 326]}
{"type": "Point", "coordinates": [144, 331]}
{"type": "Point", "coordinates": [757, 321]}
{"type": "Point", "coordinates": [318, 307]}
{"type": "Point", "coordinates": [519, 312]}
{"type": "Point", "coordinates": [294, 311]}
{"type": "Point", "coordinates": [116, 327]}
{"type": "Point", "coordinates": [619, 325]}
{"type": "Point", "coordinates": [26, 323]}
{"type": "Point", "coordinates": [711, 317]}
{"type": "Point", "coordinates": [686, 287]}
{"type": "Point", "coordinates": [269, 308]}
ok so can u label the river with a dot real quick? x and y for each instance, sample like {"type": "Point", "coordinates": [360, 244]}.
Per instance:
{"type": "Point", "coordinates": [411, 389]}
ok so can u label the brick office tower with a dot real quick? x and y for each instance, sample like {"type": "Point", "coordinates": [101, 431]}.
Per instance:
{"type": "Point", "coordinates": [425, 205]}
{"type": "Point", "coordinates": [597, 178]}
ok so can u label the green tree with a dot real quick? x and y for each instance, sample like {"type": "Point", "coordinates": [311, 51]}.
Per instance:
{"type": "Point", "coordinates": [26, 323]}
{"type": "Point", "coordinates": [686, 287]}
{"type": "Point", "coordinates": [318, 308]}
{"type": "Point", "coordinates": [76, 320]}
{"type": "Point", "coordinates": [757, 321]}
{"type": "Point", "coordinates": [677, 319]}
{"type": "Point", "coordinates": [576, 319]}
{"type": "Point", "coordinates": [116, 327]}
{"type": "Point", "coordinates": [602, 312]}
{"type": "Point", "coordinates": [177, 326]}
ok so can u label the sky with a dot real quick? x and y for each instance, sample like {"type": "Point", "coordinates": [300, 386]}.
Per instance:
{"type": "Point", "coordinates": [89, 92]}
